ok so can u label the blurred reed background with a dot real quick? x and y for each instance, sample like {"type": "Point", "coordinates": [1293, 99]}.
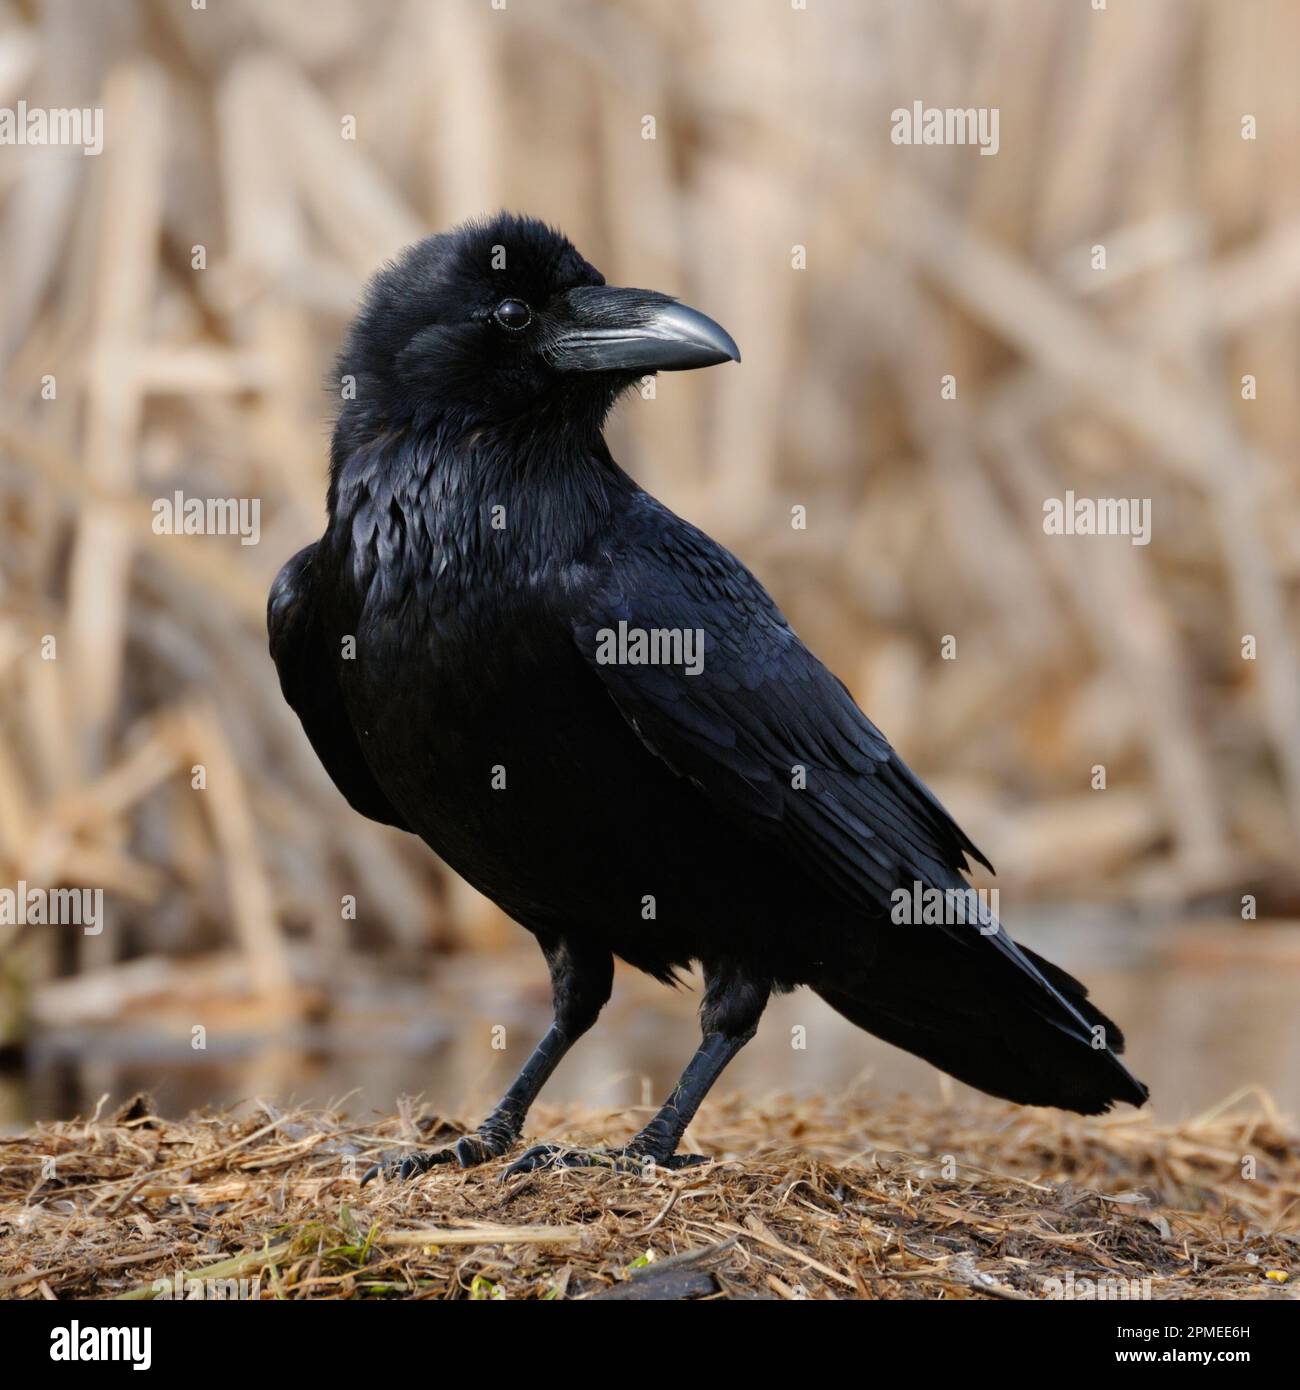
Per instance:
{"type": "Point", "coordinates": [227, 129]}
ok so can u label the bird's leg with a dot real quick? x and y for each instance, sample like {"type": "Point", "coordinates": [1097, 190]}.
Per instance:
{"type": "Point", "coordinates": [733, 1004]}
{"type": "Point", "coordinates": [581, 980]}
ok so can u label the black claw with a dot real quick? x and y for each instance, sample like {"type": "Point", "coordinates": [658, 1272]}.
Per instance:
{"type": "Point", "coordinates": [468, 1151]}
{"type": "Point", "coordinates": [539, 1156]}
{"type": "Point", "coordinates": [625, 1160]}
{"type": "Point", "coordinates": [677, 1161]}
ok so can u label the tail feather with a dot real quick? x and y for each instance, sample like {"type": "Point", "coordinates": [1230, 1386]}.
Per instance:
{"type": "Point", "coordinates": [989, 1024]}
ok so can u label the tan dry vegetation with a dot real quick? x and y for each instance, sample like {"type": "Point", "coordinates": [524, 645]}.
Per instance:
{"type": "Point", "coordinates": [223, 130]}
{"type": "Point", "coordinates": [851, 1198]}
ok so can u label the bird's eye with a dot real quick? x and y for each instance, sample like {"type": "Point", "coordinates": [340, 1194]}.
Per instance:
{"type": "Point", "coordinates": [513, 314]}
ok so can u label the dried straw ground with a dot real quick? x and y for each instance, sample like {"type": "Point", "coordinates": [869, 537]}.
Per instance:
{"type": "Point", "coordinates": [847, 1199]}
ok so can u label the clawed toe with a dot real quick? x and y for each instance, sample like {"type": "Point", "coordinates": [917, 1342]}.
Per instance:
{"type": "Point", "coordinates": [468, 1151]}
{"type": "Point", "coordinates": [557, 1156]}
{"type": "Point", "coordinates": [679, 1161]}
{"type": "Point", "coordinates": [402, 1169]}
{"type": "Point", "coordinates": [625, 1160]}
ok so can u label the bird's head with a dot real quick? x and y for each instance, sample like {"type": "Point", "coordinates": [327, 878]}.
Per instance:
{"type": "Point", "coordinates": [503, 322]}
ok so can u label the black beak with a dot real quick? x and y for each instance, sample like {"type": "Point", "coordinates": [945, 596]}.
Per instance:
{"type": "Point", "coordinates": [611, 329]}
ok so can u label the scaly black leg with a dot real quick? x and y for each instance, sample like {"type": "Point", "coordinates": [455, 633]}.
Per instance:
{"type": "Point", "coordinates": [581, 980]}
{"type": "Point", "coordinates": [733, 1005]}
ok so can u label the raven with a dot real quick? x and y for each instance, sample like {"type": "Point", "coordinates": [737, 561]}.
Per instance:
{"type": "Point", "coordinates": [598, 717]}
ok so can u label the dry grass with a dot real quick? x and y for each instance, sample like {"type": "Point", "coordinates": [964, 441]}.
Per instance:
{"type": "Point", "coordinates": [852, 1199]}
{"type": "Point", "coordinates": [224, 130]}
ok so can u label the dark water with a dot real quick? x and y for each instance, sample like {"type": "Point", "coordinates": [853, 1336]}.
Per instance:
{"type": "Point", "coordinates": [1208, 1010]}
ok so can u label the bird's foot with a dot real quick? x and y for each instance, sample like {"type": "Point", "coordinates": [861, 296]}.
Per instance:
{"type": "Point", "coordinates": [629, 1159]}
{"type": "Point", "coordinates": [468, 1151]}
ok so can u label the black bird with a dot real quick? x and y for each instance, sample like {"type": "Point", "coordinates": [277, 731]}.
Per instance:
{"type": "Point", "coordinates": [597, 716]}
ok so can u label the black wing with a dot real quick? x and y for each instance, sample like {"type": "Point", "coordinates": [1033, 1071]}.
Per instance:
{"type": "Point", "coordinates": [763, 729]}
{"type": "Point", "coordinates": [310, 684]}
{"type": "Point", "coordinates": [762, 709]}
